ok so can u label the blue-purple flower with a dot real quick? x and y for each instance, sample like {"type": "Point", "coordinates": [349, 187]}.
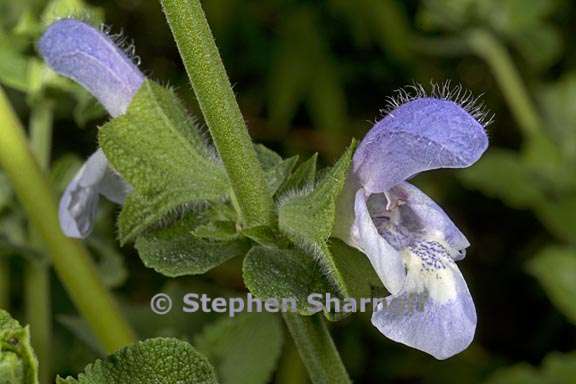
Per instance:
{"type": "Point", "coordinates": [410, 241]}
{"type": "Point", "coordinates": [88, 56]}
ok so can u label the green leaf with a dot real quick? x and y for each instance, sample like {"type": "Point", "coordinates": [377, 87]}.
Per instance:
{"type": "Point", "coordinates": [357, 272]}
{"type": "Point", "coordinates": [307, 218]}
{"type": "Point", "coordinates": [18, 364]}
{"type": "Point", "coordinates": [158, 149]}
{"type": "Point", "coordinates": [303, 176]}
{"type": "Point", "coordinates": [276, 169]}
{"type": "Point", "coordinates": [502, 174]}
{"type": "Point", "coordinates": [13, 68]}
{"type": "Point", "coordinates": [154, 361]}
{"type": "Point", "coordinates": [267, 157]}
{"type": "Point", "coordinates": [176, 251]}
{"type": "Point", "coordinates": [276, 175]}
{"type": "Point", "coordinates": [266, 236]}
{"type": "Point", "coordinates": [310, 215]}
{"type": "Point", "coordinates": [285, 273]}
{"type": "Point", "coordinates": [317, 349]}
{"type": "Point", "coordinates": [57, 9]}
{"type": "Point", "coordinates": [557, 368]}
{"type": "Point", "coordinates": [244, 349]}
{"type": "Point", "coordinates": [110, 262]}
{"type": "Point", "coordinates": [555, 268]}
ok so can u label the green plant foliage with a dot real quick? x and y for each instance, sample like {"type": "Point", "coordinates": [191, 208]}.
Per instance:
{"type": "Point", "coordinates": [154, 361]}
{"type": "Point", "coordinates": [307, 217]}
{"type": "Point", "coordinates": [522, 22]}
{"type": "Point", "coordinates": [158, 149]}
{"type": "Point", "coordinates": [302, 177]}
{"type": "Point", "coordinates": [285, 273]}
{"type": "Point", "coordinates": [18, 364]}
{"type": "Point", "coordinates": [556, 369]}
{"type": "Point", "coordinates": [244, 349]}
{"type": "Point", "coordinates": [555, 269]}
{"type": "Point", "coordinates": [176, 250]}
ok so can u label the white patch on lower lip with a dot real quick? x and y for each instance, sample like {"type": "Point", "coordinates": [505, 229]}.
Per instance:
{"type": "Point", "coordinates": [430, 268]}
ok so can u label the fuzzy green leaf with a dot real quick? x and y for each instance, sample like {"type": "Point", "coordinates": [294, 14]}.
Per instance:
{"type": "Point", "coordinates": [303, 176]}
{"type": "Point", "coordinates": [158, 149]}
{"type": "Point", "coordinates": [277, 175]}
{"type": "Point", "coordinates": [18, 364]}
{"type": "Point", "coordinates": [154, 361]}
{"type": "Point", "coordinates": [285, 273]}
{"type": "Point", "coordinates": [308, 218]}
{"type": "Point", "coordinates": [244, 349]}
{"type": "Point", "coordinates": [176, 251]}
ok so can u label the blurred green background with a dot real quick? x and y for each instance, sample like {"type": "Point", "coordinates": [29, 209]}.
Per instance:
{"type": "Point", "coordinates": [309, 76]}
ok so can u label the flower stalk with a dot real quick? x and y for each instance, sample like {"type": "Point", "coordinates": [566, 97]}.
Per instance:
{"type": "Point", "coordinates": [220, 109]}
{"type": "Point", "coordinates": [71, 260]}
{"type": "Point", "coordinates": [37, 273]}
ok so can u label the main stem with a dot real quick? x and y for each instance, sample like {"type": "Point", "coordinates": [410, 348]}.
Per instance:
{"type": "Point", "coordinates": [70, 259]}
{"type": "Point", "coordinates": [37, 274]}
{"type": "Point", "coordinates": [220, 109]}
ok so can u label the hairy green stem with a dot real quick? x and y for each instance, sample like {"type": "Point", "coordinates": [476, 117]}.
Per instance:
{"type": "Point", "coordinates": [316, 348]}
{"type": "Point", "coordinates": [69, 257]}
{"type": "Point", "coordinates": [487, 46]}
{"type": "Point", "coordinates": [37, 273]}
{"type": "Point", "coordinates": [220, 109]}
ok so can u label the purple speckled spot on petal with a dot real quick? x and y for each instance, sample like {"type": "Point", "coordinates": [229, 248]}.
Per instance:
{"type": "Point", "coordinates": [419, 135]}
{"type": "Point", "coordinates": [434, 312]}
{"type": "Point", "coordinates": [83, 53]}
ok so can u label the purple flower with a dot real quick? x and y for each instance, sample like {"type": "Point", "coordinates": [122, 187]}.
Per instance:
{"type": "Point", "coordinates": [410, 241]}
{"type": "Point", "coordinates": [88, 56]}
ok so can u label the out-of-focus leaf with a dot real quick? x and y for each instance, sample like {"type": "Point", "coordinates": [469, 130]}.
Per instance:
{"type": "Point", "coordinates": [80, 329]}
{"type": "Point", "coordinates": [558, 100]}
{"type": "Point", "coordinates": [157, 148]}
{"type": "Point", "coordinates": [154, 361]}
{"type": "Point", "coordinates": [176, 251]}
{"type": "Point", "coordinates": [555, 269]}
{"type": "Point", "coordinates": [13, 67]}
{"type": "Point", "coordinates": [57, 9]}
{"type": "Point", "coordinates": [285, 273]}
{"type": "Point", "coordinates": [559, 215]}
{"type": "Point", "coordinates": [556, 369]}
{"type": "Point", "coordinates": [502, 174]}
{"type": "Point", "coordinates": [5, 191]}
{"type": "Point", "coordinates": [541, 46]}
{"type": "Point", "coordinates": [244, 349]}
{"type": "Point", "coordinates": [110, 263]}
{"type": "Point", "coordinates": [18, 364]}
